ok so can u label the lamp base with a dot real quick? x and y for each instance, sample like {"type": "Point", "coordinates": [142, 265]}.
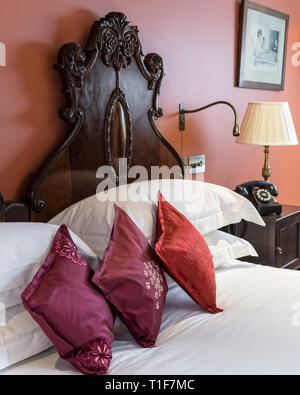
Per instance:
{"type": "Point", "coordinates": [266, 172]}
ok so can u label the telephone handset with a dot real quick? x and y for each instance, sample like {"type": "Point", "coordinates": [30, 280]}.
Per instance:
{"type": "Point", "coordinates": [261, 194]}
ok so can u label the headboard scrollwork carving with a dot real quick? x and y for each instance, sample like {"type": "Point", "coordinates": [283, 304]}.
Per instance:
{"type": "Point", "coordinates": [116, 40]}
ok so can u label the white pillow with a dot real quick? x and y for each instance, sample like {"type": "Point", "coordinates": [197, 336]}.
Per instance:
{"type": "Point", "coordinates": [20, 337]}
{"type": "Point", "coordinates": [209, 207]}
{"type": "Point", "coordinates": [23, 250]}
{"type": "Point", "coordinates": [224, 248]}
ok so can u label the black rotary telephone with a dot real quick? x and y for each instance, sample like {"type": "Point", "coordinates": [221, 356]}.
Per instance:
{"type": "Point", "coordinates": [261, 194]}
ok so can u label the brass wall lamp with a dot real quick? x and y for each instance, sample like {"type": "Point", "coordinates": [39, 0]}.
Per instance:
{"type": "Point", "coordinates": [183, 111]}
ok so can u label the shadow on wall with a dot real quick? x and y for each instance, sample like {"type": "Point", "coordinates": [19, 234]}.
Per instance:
{"type": "Point", "coordinates": [33, 66]}
{"type": "Point", "coordinates": [74, 27]}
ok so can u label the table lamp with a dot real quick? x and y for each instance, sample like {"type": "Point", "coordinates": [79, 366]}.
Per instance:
{"type": "Point", "coordinates": [268, 124]}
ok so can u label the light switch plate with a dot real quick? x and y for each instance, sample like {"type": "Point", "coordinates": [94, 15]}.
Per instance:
{"type": "Point", "coordinates": [197, 164]}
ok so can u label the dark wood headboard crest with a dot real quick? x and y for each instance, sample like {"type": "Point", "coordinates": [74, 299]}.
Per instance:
{"type": "Point", "coordinates": [111, 92]}
{"type": "Point", "coordinates": [118, 44]}
{"type": "Point", "coordinates": [116, 39]}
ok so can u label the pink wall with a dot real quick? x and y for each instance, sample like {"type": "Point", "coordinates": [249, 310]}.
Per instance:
{"type": "Point", "coordinates": [197, 39]}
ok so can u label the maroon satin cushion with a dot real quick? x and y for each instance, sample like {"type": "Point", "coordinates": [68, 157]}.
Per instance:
{"type": "Point", "coordinates": [70, 309]}
{"type": "Point", "coordinates": [185, 255]}
{"type": "Point", "coordinates": [132, 280]}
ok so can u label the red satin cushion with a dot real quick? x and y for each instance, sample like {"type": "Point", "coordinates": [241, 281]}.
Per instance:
{"type": "Point", "coordinates": [70, 309]}
{"type": "Point", "coordinates": [185, 255]}
{"type": "Point", "coordinates": [132, 280]}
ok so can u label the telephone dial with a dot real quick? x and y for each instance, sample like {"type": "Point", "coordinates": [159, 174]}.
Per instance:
{"type": "Point", "coordinates": [261, 194]}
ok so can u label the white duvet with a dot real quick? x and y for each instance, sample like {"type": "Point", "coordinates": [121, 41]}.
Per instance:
{"type": "Point", "coordinates": [258, 332]}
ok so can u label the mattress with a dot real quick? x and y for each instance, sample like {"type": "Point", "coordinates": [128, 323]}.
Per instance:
{"type": "Point", "coordinates": [258, 332]}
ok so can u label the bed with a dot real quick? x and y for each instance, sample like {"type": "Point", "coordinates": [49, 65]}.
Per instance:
{"type": "Point", "coordinates": [258, 333]}
{"type": "Point", "coordinates": [112, 90]}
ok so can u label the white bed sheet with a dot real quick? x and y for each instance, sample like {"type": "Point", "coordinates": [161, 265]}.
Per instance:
{"type": "Point", "coordinates": [258, 332]}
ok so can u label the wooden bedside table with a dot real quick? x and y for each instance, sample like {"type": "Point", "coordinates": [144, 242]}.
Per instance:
{"type": "Point", "coordinates": [278, 244]}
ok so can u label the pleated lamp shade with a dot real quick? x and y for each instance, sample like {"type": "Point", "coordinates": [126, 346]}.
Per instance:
{"type": "Point", "coordinates": [267, 124]}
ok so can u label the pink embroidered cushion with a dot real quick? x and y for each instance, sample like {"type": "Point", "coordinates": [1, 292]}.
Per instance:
{"type": "Point", "coordinates": [69, 308]}
{"type": "Point", "coordinates": [132, 280]}
{"type": "Point", "coordinates": [185, 255]}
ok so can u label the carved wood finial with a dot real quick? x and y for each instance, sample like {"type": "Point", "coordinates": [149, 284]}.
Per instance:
{"type": "Point", "coordinates": [71, 62]}
{"type": "Point", "coordinates": [116, 39]}
{"type": "Point", "coordinates": [155, 66]}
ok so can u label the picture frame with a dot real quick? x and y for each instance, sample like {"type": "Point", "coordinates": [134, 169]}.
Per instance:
{"type": "Point", "coordinates": [263, 35]}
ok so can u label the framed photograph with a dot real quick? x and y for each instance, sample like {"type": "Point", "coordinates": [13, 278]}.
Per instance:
{"type": "Point", "coordinates": [262, 47]}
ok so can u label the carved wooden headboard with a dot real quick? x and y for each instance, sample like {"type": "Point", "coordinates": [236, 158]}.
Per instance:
{"type": "Point", "coordinates": [111, 92]}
